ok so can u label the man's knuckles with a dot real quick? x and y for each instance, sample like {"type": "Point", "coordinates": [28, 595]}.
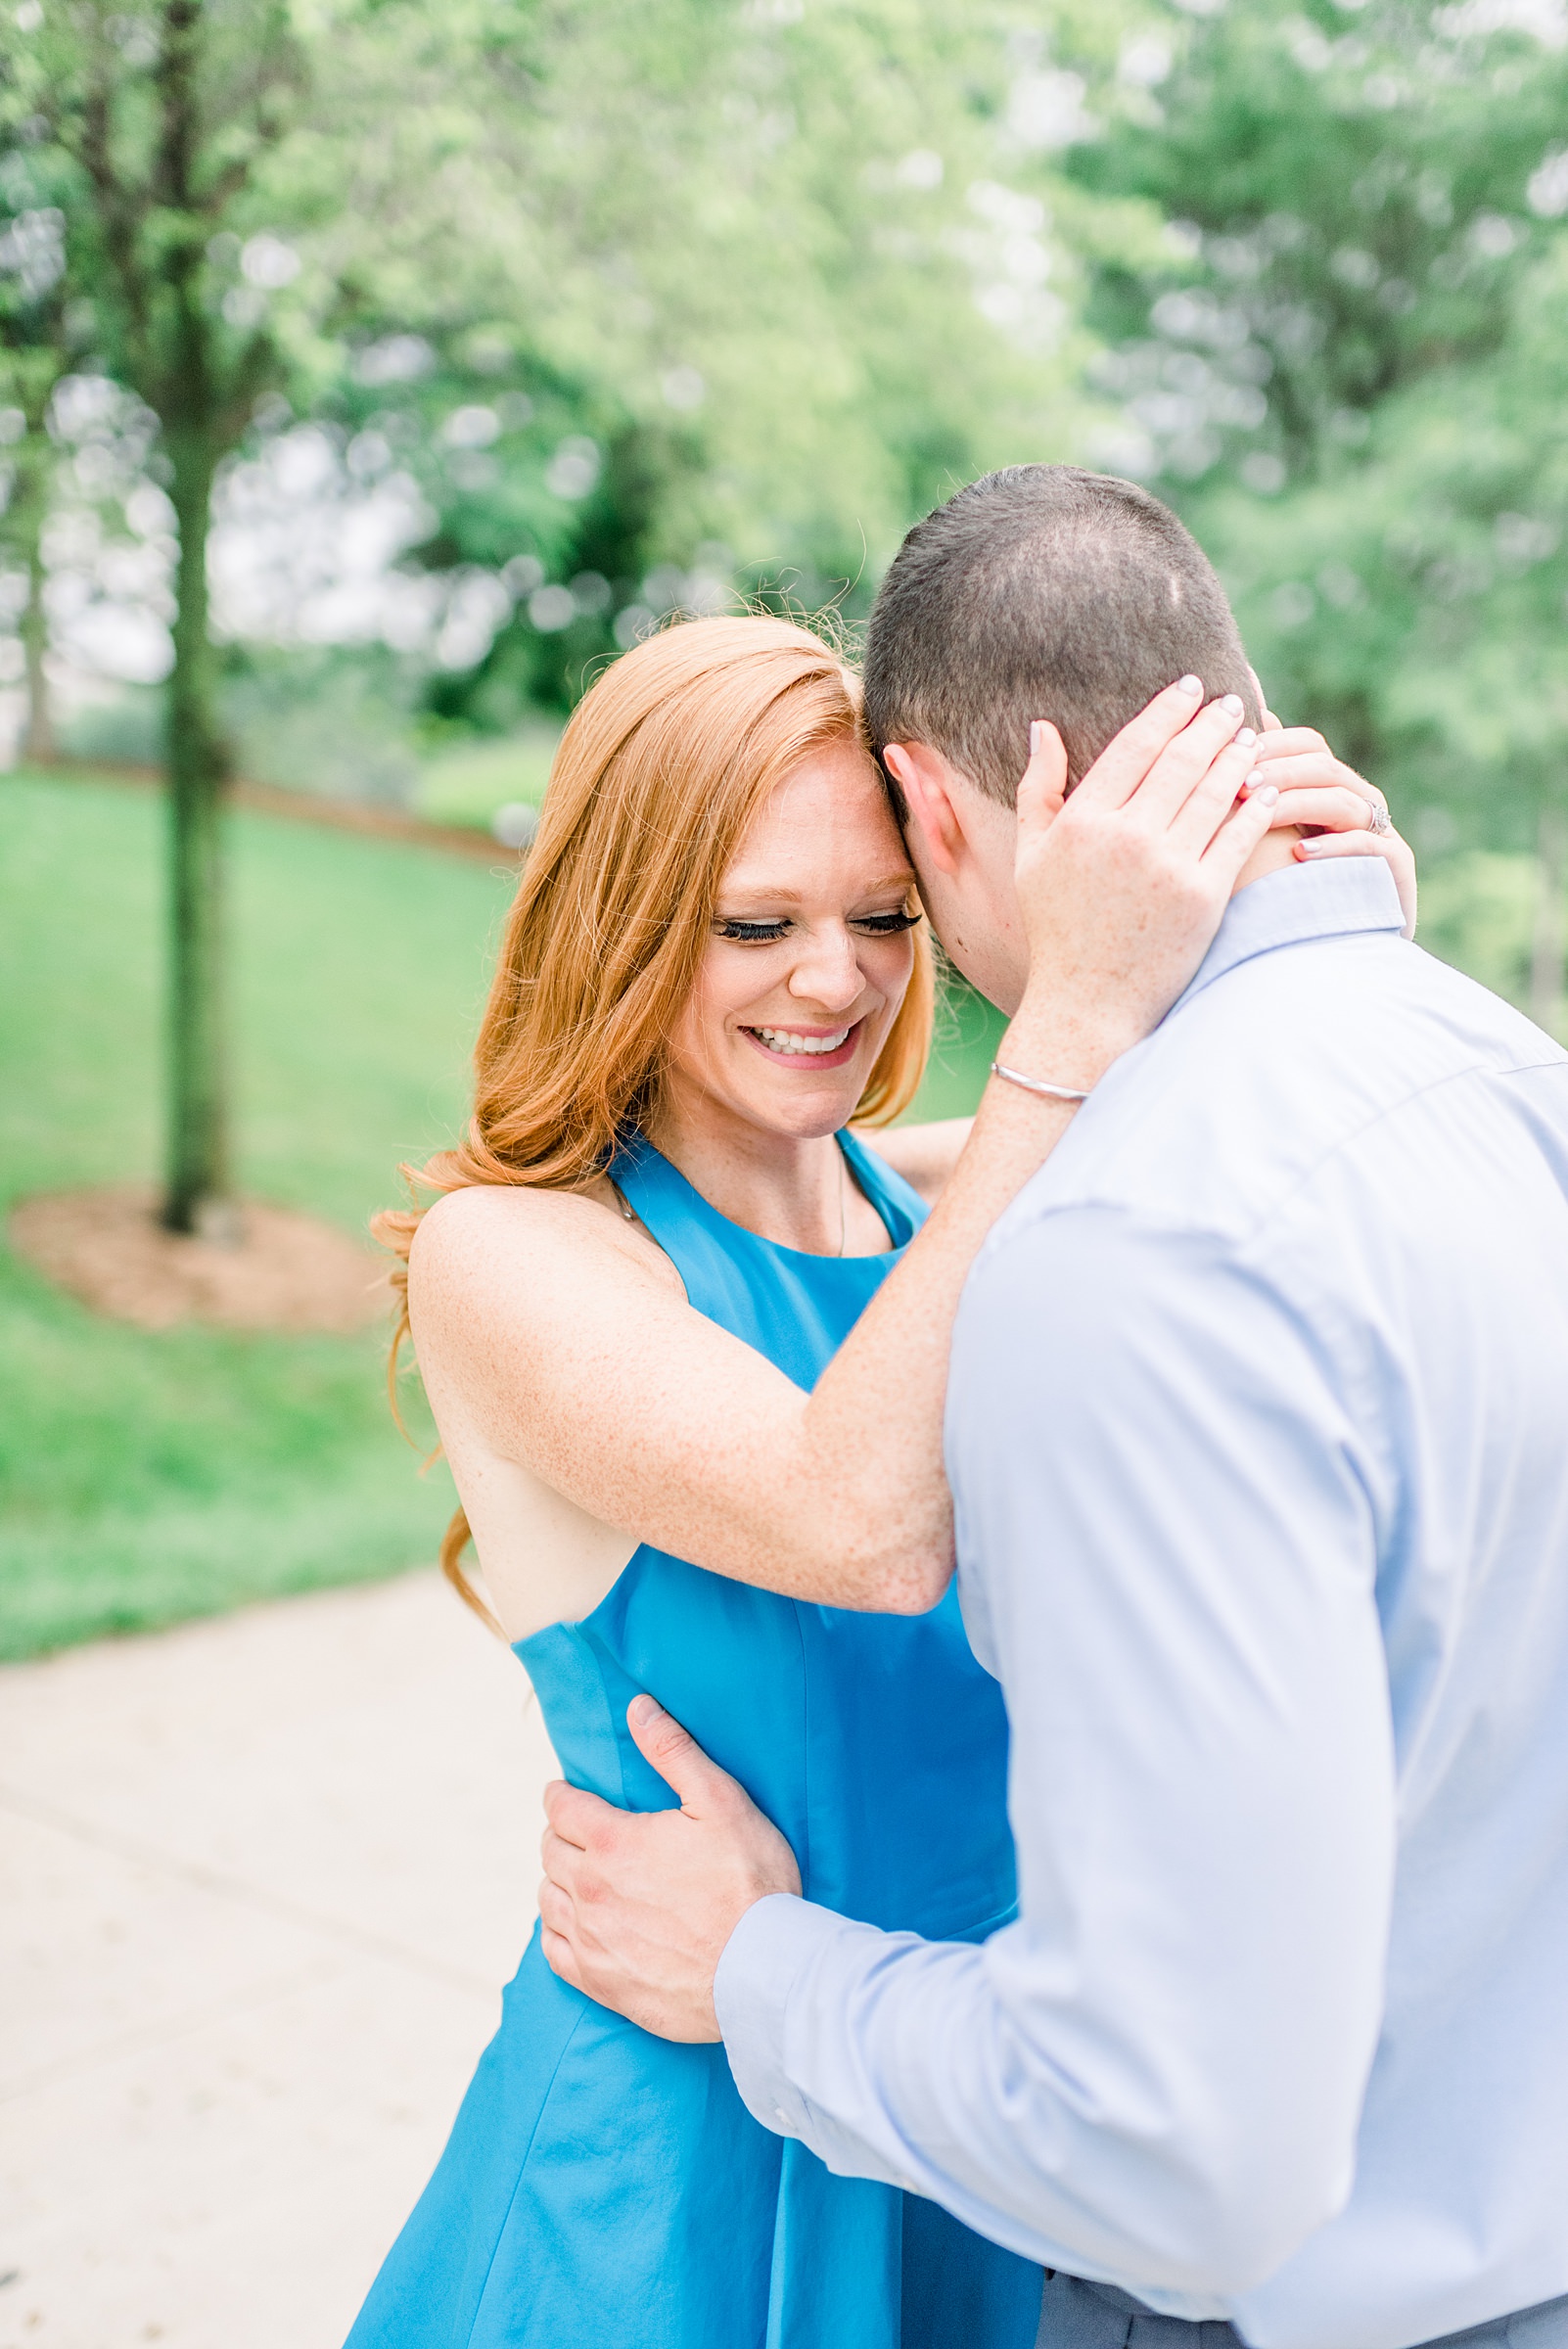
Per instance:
{"type": "Point", "coordinates": [589, 1889]}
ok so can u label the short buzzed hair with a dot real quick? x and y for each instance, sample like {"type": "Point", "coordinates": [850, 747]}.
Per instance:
{"type": "Point", "coordinates": [1042, 591]}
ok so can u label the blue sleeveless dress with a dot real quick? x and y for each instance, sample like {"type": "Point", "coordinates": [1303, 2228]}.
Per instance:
{"type": "Point", "coordinates": [606, 2189]}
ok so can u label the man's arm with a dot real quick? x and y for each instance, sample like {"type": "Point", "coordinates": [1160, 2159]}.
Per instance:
{"type": "Point", "coordinates": [1157, 2075]}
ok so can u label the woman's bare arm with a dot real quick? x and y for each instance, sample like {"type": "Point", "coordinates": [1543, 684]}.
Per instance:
{"type": "Point", "coordinates": [566, 1345]}
{"type": "Point", "coordinates": [924, 1155]}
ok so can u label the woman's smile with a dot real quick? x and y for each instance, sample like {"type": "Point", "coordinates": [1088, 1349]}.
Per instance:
{"type": "Point", "coordinates": [815, 1047]}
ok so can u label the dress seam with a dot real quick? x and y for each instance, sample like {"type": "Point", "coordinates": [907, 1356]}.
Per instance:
{"type": "Point", "coordinates": [522, 2167]}
{"type": "Point", "coordinates": [803, 1860]}
{"type": "Point", "coordinates": [617, 1744]}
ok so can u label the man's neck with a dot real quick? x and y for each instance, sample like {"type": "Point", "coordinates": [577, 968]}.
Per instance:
{"type": "Point", "coordinates": [1273, 853]}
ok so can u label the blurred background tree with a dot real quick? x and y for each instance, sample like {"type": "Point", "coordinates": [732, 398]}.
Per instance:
{"type": "Point", "coordinates": [154, 121]}
{"type": "Point", "coordinates": [1347, 372]}
{"type": "Point", "coordinates": [630, 308]}
{"type": "Point", "coordinates": [39, 325]}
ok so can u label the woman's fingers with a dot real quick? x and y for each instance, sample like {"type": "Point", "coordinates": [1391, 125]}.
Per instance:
{"type": "Point", "coordinates": [1314, 767]}
{"type": "Point", "coordinates": [1290, 742]}
{"type": "Point", "coordinates": [1336, 807]}
{"type": "Point", "coordinates": [1238, 838]}
{"type": "Point", "coordinates": [1185, 763]}
{"type": "Point", "coordinates": [1042, 792]}
{"type": "Point", "coordinates": [1197, 819]}
{"type": "Point", "coordinates": [1397, 855]}
{"type": "Point", "coordinates": [1128, 758]}
{"type": "Point", "coordinates": [1304, 771]}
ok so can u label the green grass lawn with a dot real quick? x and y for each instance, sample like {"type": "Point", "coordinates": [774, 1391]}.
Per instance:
{"type": "Point", "coordinates": [148, 1478]}
{"type": "Point", "coordinates": [145, 1478]}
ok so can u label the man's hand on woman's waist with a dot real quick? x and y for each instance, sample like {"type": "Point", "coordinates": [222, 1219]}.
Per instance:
{"type": "Point", "coordinates": [636, 1906]}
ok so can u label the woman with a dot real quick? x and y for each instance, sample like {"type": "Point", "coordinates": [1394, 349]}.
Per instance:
{"type": "Point", "coordinates": [658, 1233]}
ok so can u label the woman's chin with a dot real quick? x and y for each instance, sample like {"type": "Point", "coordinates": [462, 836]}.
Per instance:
{"type": "Point", "coordinates": [802, 1106]}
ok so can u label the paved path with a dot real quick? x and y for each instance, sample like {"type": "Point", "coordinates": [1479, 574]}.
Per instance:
{"type": "Point", "coordinates": [260, 1882]}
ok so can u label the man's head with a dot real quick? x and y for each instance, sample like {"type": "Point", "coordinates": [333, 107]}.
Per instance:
{"type": "Point", "coordinates": [1039, 592]}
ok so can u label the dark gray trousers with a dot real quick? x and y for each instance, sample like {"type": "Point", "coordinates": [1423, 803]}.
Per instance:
{"type": "Point", "coordinates": [1075, 2314]}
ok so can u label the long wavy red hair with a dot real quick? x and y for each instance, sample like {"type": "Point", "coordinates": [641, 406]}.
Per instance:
{"type": "Point", "coordinates": [664, 766]}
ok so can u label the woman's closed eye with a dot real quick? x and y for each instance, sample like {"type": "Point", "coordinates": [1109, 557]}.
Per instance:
{"type": "Point", "coordinates": [768, 933]}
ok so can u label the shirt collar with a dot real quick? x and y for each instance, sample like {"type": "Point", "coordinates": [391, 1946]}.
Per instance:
{"type": "Point", "coordinates": [1333, 899]}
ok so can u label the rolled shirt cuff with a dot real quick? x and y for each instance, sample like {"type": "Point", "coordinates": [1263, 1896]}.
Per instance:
{"type": "Point", "coordinates": [762, 1962]}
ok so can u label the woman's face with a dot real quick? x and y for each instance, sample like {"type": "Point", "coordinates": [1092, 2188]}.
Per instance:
{"type": "Point", "coordinates": [808, 958]}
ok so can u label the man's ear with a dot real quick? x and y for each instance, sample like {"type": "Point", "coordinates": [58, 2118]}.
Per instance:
{"type": "Point", "coordinates": [921, 774]}
{"type": "Point", "coordinates": [1270, 723]}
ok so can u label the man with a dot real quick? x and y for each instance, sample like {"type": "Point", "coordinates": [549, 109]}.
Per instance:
{"type": "Point", "coordinates": [1258, 1439]}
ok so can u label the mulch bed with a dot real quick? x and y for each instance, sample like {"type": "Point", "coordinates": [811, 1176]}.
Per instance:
{"type": "Point", "coordinates": [284, 1271]}
{"type": "Point", "coordinates": [303, 808]}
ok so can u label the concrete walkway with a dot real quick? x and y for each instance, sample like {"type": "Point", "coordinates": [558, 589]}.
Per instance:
{"type": "Point", "coordinates": [260, 1882]}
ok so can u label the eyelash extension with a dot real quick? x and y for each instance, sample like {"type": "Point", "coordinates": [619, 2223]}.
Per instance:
{"type": "Point", "coordinates": [767, 933]}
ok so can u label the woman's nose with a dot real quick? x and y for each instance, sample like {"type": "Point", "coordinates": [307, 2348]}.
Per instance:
{"type": "Point", "coordinates": [829, 973]}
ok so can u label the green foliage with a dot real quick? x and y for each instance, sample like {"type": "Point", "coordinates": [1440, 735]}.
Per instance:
{"type": "Point", "coordinates": [1347, 205]}
{"type": "Point", "coordinates": [1478, 911]}
{"type": "Point", "coordinates": [153, 119]}
{"type": "Point", "coordinates": [1350, 370]}
{"type": "Point", "coordinates": [697, 296]}
{"type": "Point", "coordinates": [1414, 595]}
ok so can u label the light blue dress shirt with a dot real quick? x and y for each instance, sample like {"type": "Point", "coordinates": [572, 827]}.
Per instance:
{"type": "Point", "coordinates": [1258, 1435]}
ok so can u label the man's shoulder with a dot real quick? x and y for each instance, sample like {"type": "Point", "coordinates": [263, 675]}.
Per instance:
{"type": "Point", "coordinates": [1282, 1064]}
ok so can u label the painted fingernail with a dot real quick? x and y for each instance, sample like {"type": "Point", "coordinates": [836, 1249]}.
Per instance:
{"type": "Point", "coordinates": [1254, 779]}
{"type": "Point", "coordinates": [1233, 705]}
{"type": "Point", "coordinates": [1314, 847]}
{"type": "Point", "coordinates": [1245, 738]}
{"type": "Point", "coordinates": [1189, 685]}
{"type": "Point", "coordinates": [1269, 794]}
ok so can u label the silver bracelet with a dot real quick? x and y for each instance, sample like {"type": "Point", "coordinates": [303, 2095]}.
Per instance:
{"type": "Point", "coordinates": [1038, 1084]}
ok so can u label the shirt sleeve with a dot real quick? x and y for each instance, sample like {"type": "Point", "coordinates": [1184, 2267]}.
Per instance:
{"type": "Point", "coordinates": [1168, 1514]}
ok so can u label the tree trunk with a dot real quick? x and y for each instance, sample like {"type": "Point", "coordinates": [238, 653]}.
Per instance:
{"type": "Point", "coordinates": [38, 745]}
{"type": "Point", "coordinates": [29, 511]}
{"type": "Point", "coordinates": [197, 1197]}
{"type": "Point", "coordinates": [1546, 945]}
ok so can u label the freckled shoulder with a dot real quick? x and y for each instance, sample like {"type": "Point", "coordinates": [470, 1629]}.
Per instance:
{"type": "Point", "coordinates": [477, 1232]}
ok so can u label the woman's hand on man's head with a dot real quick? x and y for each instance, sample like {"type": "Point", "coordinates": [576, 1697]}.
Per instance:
{"type": "Point", "coordinates": [1122, 885]}
{"type": "Point", "coordinates": [1350, 815]}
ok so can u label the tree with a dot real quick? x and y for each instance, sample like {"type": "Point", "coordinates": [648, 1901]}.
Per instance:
{"type": "Point", "coordinates": [653, 299]}
{"type": "Point", "coordinates": [744, 293]}
{"type": "Point", "coordinates": [1347, 368]}
{"type": "Point", "coordinates": [160, 114]}
{"type": "Point", "coordinates": [36, 348]}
